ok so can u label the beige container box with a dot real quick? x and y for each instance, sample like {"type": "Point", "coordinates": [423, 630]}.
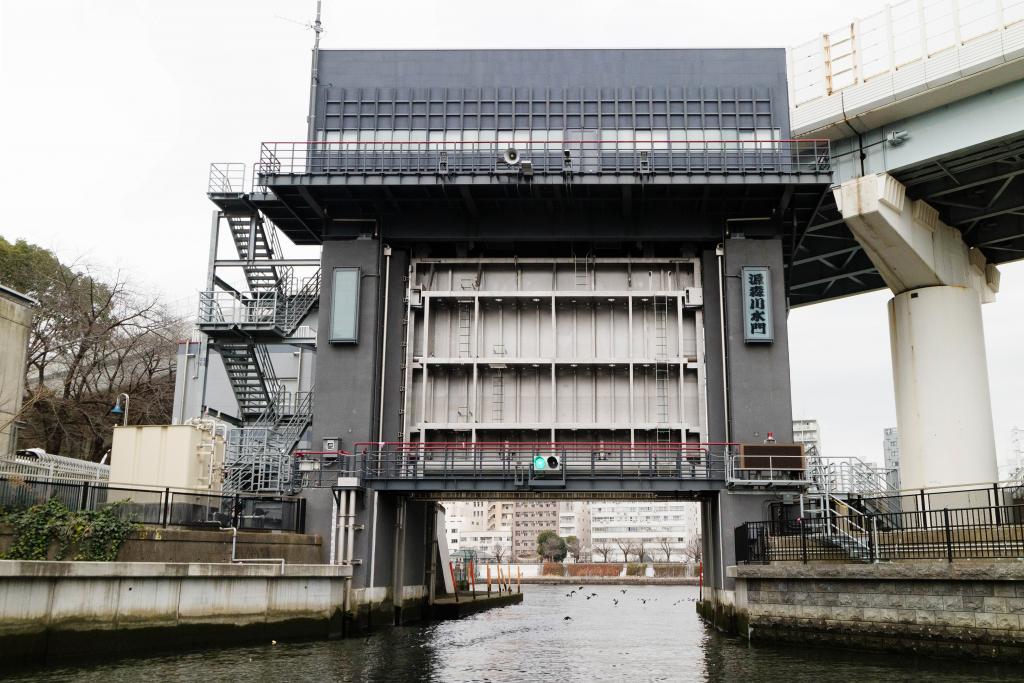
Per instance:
{"type": "Point", "coordinates": [189, 456]}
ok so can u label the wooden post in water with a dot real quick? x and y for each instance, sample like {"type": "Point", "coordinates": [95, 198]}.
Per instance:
{"type": "Point", "coordinates": [488, 565]}
{"type": "Point", "coordinates": [519, 580]}
{"type": "Point", "coordinates": [472, 577]}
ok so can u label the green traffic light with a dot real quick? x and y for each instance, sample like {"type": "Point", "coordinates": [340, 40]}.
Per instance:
{"type": "Point", "coordinates": [539, 462]}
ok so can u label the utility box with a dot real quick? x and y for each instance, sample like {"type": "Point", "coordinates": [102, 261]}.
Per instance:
{"type": "Point", "coordinates": [188, 456]}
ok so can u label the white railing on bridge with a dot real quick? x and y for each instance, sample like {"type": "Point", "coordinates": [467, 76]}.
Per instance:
{"type": "Point", "coordinates": [909, 47]}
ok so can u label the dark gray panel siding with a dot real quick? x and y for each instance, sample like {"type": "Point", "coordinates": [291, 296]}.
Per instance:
{"type": "Point", "coordinates": [527, 90]}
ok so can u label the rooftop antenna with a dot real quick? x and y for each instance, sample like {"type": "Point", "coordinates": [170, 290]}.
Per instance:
{"type": "Point", "coordinates": [314, 76]}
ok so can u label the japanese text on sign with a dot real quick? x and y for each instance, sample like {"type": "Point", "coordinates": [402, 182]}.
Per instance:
{"type": "Point", "coordinates": [757, 305]}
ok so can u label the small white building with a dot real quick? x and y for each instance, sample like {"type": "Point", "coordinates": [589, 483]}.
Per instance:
{"type": "Point", "coordinates": [808, 433]}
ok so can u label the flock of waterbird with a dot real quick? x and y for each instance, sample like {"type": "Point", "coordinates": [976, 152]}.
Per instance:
{"type": "Point", "coordinates": [615, 601]}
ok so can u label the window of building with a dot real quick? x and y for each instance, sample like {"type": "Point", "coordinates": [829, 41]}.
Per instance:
{"type": "Point", "coordinates": [345, 306]}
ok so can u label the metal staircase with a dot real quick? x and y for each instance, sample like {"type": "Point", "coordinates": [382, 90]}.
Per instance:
{"type": "Point", "coordinates": [842, 491]}
{"type": "Point", "coordinates": [249, 381]}
{"type": "Point", "coordinates": [258, 456]}
{"type": "Point", "coordinates": [256, 242]}
{"type": "Point", "coordinates": [241, 325]}
{"type": "Point", "coordinates": [832, 522]}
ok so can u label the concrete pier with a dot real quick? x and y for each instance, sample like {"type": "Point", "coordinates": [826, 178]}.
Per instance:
{"type": "Point", "coordinates": [971, 609]}
{"type": "Point", "coordinates": [51, 610]}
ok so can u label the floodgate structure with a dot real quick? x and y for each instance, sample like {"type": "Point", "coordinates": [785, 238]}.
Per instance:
{"type": "Point", "coordinates": [567, 273]}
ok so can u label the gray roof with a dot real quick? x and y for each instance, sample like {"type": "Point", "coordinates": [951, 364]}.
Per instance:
{"type": "Point", "coordinates": [17, 296]}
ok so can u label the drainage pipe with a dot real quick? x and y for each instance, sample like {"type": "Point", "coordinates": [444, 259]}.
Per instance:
{"type": "Point", "coordinates": [720, 254]}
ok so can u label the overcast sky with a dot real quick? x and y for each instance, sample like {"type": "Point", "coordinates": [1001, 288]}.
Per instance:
{"type": "Point", "coordinates": [112, 111]}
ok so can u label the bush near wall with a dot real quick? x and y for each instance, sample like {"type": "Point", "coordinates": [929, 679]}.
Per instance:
{"type": "Point", "coordinates": [594, 569]}
{"type": "Point", "coordinates": [636, 569]}
{"type": "Point", "coordinates": [553, 569]}
{"type": "Point", "coordinates": [672, 570]}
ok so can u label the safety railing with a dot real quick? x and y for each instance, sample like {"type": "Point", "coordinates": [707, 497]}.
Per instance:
{"type": "Point", "coordinates": [996, 494]}
{"type": "Point", "coordinates": [767, 470]}
{"type": "Point", "coordinates": [528, 157]}
{"type": "Point", "coordinates": [226, 178]}
{"type": "Point", "coordinates": [238, 308]}
{"type": "Point", "coordinates": [947, 534]}
{"type": "Point", "coordinates": [518, 462]}
{"type": "Point", "coordinates": [160, 506]}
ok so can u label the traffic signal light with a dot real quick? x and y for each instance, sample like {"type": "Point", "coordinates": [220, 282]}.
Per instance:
{"type": "Point", "coordinates": [546, 463]}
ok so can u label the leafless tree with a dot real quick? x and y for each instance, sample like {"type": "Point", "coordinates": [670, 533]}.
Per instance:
{"type": "Point", "coordinates": [602, 548]}
{"type": "Point", "coordinates": [640, 550]}
{"type": "Point", "coordinates": [667, 546]}
{"type": "Point", "coordinates": [694, 549]}
{"type": "Point", "coordinates": [90, 341]}
{"type": "Point", "coordinates": [499, 550]}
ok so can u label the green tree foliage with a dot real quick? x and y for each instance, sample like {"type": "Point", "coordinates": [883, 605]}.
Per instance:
{"type": "Point", "coordinates": [551, 546]}
{"type": "Point", "coordinates": [92, 338]}
{"type": "Point", "coordinates": [572, 544]}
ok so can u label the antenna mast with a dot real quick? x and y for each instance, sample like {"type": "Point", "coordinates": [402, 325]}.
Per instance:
{"type": "Point", "coordinates": [314, 76]}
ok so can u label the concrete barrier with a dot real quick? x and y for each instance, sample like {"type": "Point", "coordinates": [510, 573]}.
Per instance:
{"type": "Point", "coordinates": [50, 610]}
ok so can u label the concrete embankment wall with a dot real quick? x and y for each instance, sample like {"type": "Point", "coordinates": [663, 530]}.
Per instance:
{"type": "Point", "coordinates": [152, 544]}
{"type": "Point", "coordinates": [964, 609]}
{"type": "Point", "coordinates": [50, 610]}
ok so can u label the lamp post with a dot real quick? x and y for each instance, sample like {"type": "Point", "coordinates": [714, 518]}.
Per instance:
{"type": "Point", "coordinates": [118, 410]}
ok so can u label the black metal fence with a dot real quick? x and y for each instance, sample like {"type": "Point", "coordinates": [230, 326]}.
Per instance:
{"type": "Point", "coordinates": [161, 507]}
{"type": "Point", "coordinates": [996, 495]}
{"type": "Point", "coordinates": [947, 534]}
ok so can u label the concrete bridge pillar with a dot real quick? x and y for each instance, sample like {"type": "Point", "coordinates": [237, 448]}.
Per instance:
{"type": "Point", "coordinates": [943, 408]}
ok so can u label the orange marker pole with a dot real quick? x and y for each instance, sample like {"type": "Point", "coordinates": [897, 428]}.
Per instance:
{"type": "Point", "coordinates": [472, 577]}
{"type": "Point", "coordinates": [519, 580]}
{"type": "Point", "coordinates": [488, 565]}
{"type": "Point", "coordinates": [499, 578]}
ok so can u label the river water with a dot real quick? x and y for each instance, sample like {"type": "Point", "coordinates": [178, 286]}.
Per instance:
{"type": "Point", "coordinates": [652, 634]}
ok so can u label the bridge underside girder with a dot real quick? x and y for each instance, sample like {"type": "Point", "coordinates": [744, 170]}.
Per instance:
{"type": "Point", "coordinates": [979, 191]}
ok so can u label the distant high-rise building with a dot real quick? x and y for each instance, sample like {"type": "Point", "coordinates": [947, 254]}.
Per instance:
{"type": "Point", "coordinates": [807, 433]}
{"type": "Point", "coordinates": [481, 525]}
{"type": "Point", "coordinates": [891, 455]}
{"type": "Point", "coordinates": [657, 531]}
{"type": "Point", "coordinates": [529, 518]}
{"type": "Point", "coordinates": [574, 520]}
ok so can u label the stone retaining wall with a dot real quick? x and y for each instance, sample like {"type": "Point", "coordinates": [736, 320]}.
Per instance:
{"type": "Point", "coordinates": [155, 544]}
{"type": "Point", "coordinates": [964, 609]}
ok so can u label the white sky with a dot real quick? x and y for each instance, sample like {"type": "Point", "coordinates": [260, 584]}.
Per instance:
{"type": "Point", "coordinates": [110, 113]}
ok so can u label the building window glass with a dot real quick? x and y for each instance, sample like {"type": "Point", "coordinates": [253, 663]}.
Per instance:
{"type": "Point", "coordinates": [345, 306]}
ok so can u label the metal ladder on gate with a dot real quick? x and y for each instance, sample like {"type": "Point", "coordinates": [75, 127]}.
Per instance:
{"type": "Point", "coordinates": [581, 271]}
{"type": "Point", "coordinates": [497, 396]}
{"type": "Point", "coordinates": [662, 375]}
{"type": "Point", "coordinates": [465, 327]}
